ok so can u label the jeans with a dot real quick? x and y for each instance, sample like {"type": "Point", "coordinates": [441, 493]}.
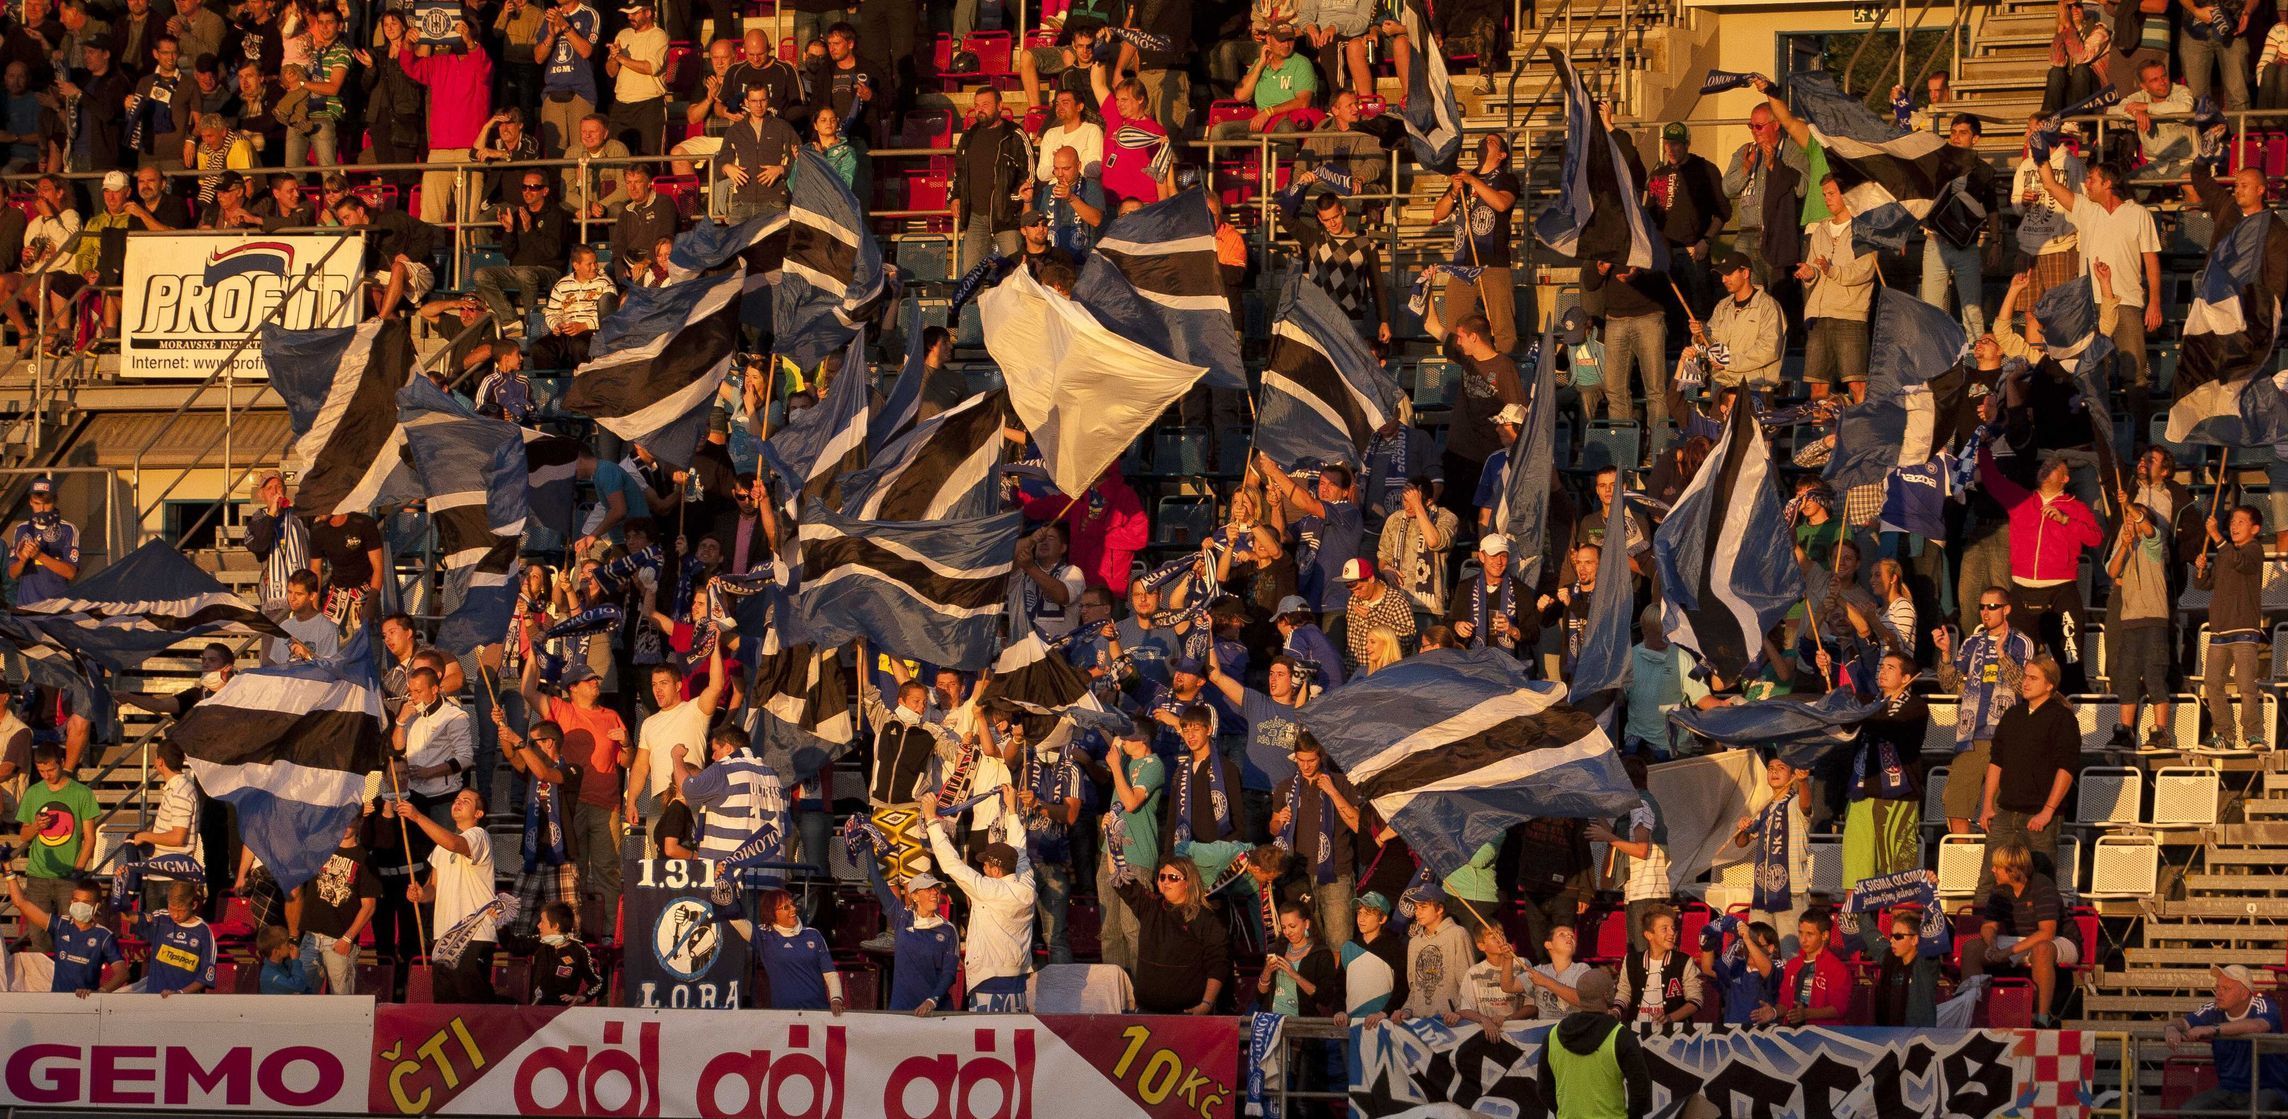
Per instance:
{"type": "Point", "coordinates": [813, 25]}
{"type": "Point", "coordinates": [1054, 907]}
{"type": "Point", "coordinates": [1632, 344]}
{"type": "Point", "coordinates": [2237, 659]}
{"type": "Point", "coordinates": [599, 853]}
{"type": "Point", "coordinates": [1964, 268]}
{"type": "Point", "coordinates": [1170, 92]}
{"type": "Point", "coordinates": [1118, 932]}
{"type": "Point", "coordinates": [2202, 58]}
{"type": "Point", "coordinates": [641, 125]}
{"type": "Point", "coordinates": [1334, 905]}
{"type": "Point", "coordinates": [341, 971]}
{"type": "Point", "coordinates": [530, 281]}
{"type": "Point", "coordinates": [2010, 825]}
{"type": "Point", "coordinates": [979, 239]}
{"type": "Point", "coordinates": [323, 141]}
{"type": "Point", "coordinates": [468, 979]}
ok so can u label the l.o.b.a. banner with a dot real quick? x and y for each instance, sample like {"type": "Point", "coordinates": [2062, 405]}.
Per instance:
{"type": "Point", "coordinates": [187, 300]}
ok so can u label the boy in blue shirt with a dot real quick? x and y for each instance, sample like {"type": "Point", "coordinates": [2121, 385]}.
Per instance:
{"type": "Point", "coordinates": [1749, 978]}
{"type": "Point", "coordinates": [182, 946]}
{"type": "Point", "coordinates": [84, 947]}
{"type": "Point", "coordinates": [281, 957]}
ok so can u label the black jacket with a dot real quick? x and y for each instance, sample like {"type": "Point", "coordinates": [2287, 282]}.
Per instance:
{"type": "Point", "coordinates": [1581, 1033]}
{"type": "Point", "coordinates": [989, 164]}
{"type": "Point", "coordinates": [1696, 203]}
{"type": "Point", "coordinates": [1175, 958]}
{"type": "Point", "coordinates": [544, 245]}
{"type": "Point", "coordinates": [103, 108]}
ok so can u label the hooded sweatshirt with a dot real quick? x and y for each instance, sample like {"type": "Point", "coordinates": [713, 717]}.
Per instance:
{"type": "Point", "coordinates": [1582, 1033]}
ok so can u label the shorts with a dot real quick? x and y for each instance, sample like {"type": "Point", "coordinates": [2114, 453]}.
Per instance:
{"type": "Point", "coordinates": [1049, 60]}
{"type": "Point", "coordinates": [2069, 953]}
{"type": "Point", "coordinates": [2050, 270]}
{"type": "Point", "coordinates": [1351, 25]}
{"type": "Point", "coordinates": [419, 281]}
{"type": "Point", "coordinates": [62, 284]}
{"type": "Point", "coordinates": [1835, 353]}
{"type": "Point", "coordinates": [2139, 662]}
{"type": "Point", "coordinates": [1966, 780]}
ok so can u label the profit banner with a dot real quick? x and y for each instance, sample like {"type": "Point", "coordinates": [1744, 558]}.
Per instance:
{"type": "Point", "coordinates": [497, 1060]}
{"type": "Point", "coordinates": [1426, 1068]}
{"type": "Point", "coordinates": [189, 299]}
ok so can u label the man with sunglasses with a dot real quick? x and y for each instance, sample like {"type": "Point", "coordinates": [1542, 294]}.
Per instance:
{"type": "Point", "coordinates": [1766, 182]}
{"type": "Point", "coordinates": [533, 234]}
{"type": "Point", "coordinates": [1984, 672]}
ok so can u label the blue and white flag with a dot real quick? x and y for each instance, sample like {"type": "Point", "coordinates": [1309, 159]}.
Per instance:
{"type": "Point", "coordinates": [1418, 296]}
{"type": "Point", "coordinates": [1725, 554]}
{"type": "Point", "coordinates": [1523, 509]}
{"type": "Point", "coordinates": [1602, 665]}
{"type": "Point", "coordinates": [340, 387]}
{"type": "Point", "coordinates": [1724, 81]}
{"type": "Point", "coordinates": [1914, 499]}
{"type": "Point", "coordinates": [2227, 393]}
{"type": "Point", "coordinates": [149, 601]}
{"type": "Point", "coordinates": [289, 747]}
{"type": "Point", "coordinates": [902, 408]}
{"type": "Point", "coordinates": [1804, 731]}
{"type": "Point", "coordinates": [473, 472]}
{"type": "Point", "coordinates": [1911, 343]}
{"type": "Point", "coordinates": [551, 471]}
{"type": "Point", "coordinates": [82, 681]}
{"type": "Point", "coordinates": [656, 363]}
{"type": "Point", "coordinates": [1596, 215]}
{"type": "Point", "coordinates": [759, 242]}
{"type": "Point", "coordinates": [1433, 117]}
{"type": "Point", "coordinates": [1154, 279]}
{"type": "Point", "coordinates": [833, 279]}
{"type": "Point", "coordinates": [819, 445]}
{"type": "Point", "coordinates": [1890, 179]}
{"type": "Point", "coordinates": [1455, 746]}
{"type": "Point", "coordinates": [801, 719]}
{"type": "Point", "coordinates": [1324, 394]}
{"type": "Point", "coordinates": [944, 469]}
{"type": "Point", "coordinates": [931, 591]}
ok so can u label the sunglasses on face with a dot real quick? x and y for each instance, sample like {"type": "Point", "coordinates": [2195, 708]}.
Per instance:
{"type": "Point", "coordinates": [1902, 936]}
{"type": "Point", "coordinates": [1171, 878]}
{"type": "Point", "coordinates": [1985, 606]}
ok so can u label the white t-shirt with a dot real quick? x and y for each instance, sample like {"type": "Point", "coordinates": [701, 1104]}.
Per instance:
{"type": "Point", "coordinates": [2121, 238]}
{"type": "Point", "coordinates": [1546, 1002]}
{"type": "Point", "coordinates": [317, 631]}
{"type": "Point", "coordinates": [464, 883]}
{"type": "Point", "coordinates": [684, 724]}
{"type": "Point", "coordinates": [178, 808]}
{"type": "Point", "coordinates": [648, 46]}
{"type": "Point", "coordinates": [1086, 139]}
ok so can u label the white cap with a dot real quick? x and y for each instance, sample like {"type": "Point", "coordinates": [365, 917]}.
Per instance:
{"type": "Point", "coordinates": [1494, 544]}
{"type": "Point", "coordinates": [115, 180]}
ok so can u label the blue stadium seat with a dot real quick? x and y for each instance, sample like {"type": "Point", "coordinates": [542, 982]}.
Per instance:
{"type": "Point", "coordinates": [926, 258]}
{"type": "Point", "coordinates": [1183, 521]}
{"type": "Point", "coordinates": [920, 312]}
{"type": "Point", "coordinates": [969, 334]}
{"type": "Point", "coordinates": [1612, 443]}
{"type": "Point", "coordinates": [1435, 382]}
{"type": "Point", "coordinates": [1179, 451]}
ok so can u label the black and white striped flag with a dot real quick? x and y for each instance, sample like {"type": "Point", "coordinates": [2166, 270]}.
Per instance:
{"type": "Point", "coordinates": [151, 599]}
{"type": "Point", "coordinates": [1154, 279]}
{"type": "Point", "coordinates": [340, 386]}
{"type": "Point", "coordinates": [943, 468]}
{"type": "Point", "coordinates": [1324, 394]}
{"type": "Point", "coordinates": [931, 591]}
{"type": "Point", "coordinates": [1726, 555]}
{"type": "Point", "coordinates": [802, 713]}
{"type": "Point", "coordinates": [833, 279]}
{"type": "Point", "coordinates": [552, 465]}
{"type": "Point", "coordinates": [657, 362]}
{"type": "Point", "coordinates": [473, 470]}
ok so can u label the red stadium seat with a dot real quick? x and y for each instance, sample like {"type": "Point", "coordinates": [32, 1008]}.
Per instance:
{"type": "Point", "coordinates": [2010, 1004]}
{"type": "Point", "coordinates": [1612, 937]}
{"type": "Point", "coordinates": [992, 51]}
{"type": "Point", "coordinates": [1227, 109]}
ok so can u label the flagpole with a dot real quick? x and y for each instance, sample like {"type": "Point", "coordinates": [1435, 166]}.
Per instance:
{"type": "Point", "coordinates": [405, 836]}
{"type": "Point", "coordinates": [2216, 497]}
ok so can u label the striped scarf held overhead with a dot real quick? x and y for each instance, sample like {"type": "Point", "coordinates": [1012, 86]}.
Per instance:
{"type": "Point", "coordinates": [214, 161]}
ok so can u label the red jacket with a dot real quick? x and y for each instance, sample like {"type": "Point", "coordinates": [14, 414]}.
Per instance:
{"type": "Point", "coordinates": [2041, 549]}
{"type": "Point", "coordinates": [1830, 985]}
{"type": "Point", "coordinates": [1108, 528]}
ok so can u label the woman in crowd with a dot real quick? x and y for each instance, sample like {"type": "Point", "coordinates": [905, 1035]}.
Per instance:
{"type": "Point", "coordinates": [1182, 960]}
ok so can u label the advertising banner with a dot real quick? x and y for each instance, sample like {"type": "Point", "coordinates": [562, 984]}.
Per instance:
{"type": "Point", "coordinates": [1424, 1067]}
{"type": "Point", "coordinates": [785, 1065]}
{"type": "Point", "coordinates": [188, 298]}
{"type": "Point", "coordinates": [203, 1052]}
{"type": "Point", "coordinates": [677, 954]}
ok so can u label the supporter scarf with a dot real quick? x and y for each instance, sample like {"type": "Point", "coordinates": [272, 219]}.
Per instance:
{"type": "Point", "coordinates": [616, 575]}
{"type": "Point", "coordinates": [155, 115]}
{"type": "Point", "coordinates": [862, 839]}
{"type": "Point", "coordinates": [1116, 842]}
{"type": "Point", "coordinates": [1236, 870]}
{"type": "Point", "coordinates": [127, 885]}
{"type": "Point", "coordinates": [1776, 830]}
{"type": "Point", "coordinates": [215, 160]}
{"type": "Point", "coordinates": [1481, 636]}
{"type": "Point", "coordinates": [1262, 1042]}
{"type": "Point", "coordinates": [1713, 936]}
{"type": "Point", "coordinates": [512, 643]}
{"type": "Point", "coordinates": [956, 784]}
{"type": "Point", "coordinates": [1048, 784]}
{"type": "Point", "coordinates": [1916, 888]}
{"type": "Point", "coordinates": [452, 942]}
{"type": "Point", "coordinates": [1889, 781]}
{"type": "Point", "coordinates": [543, 826]}
{"type": "Point", "coordinates": [1392, 448]}
{"type": "Point", "coordinates": [1218, 800]}
{"type": "Point", "coordinates": [1323, 860]}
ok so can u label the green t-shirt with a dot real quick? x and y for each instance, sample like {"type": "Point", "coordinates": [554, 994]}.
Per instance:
{"type": "Point", "coordinates": [58, 817]}
{"type": "Point", "coordinates": [1143, 847]}
{"type": "Point", "coordinates": [1279, 84]}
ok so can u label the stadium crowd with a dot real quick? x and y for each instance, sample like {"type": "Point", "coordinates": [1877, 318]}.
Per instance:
{"type": "Point", "coordinates": [1210, 880]}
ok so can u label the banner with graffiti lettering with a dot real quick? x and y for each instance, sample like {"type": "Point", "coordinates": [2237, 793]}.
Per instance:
{"type": "Point", "coordinates": [1424, 1067]}
{"type": "Point", "coordinates": [209, 1052]}
{"type": "Point", "coordinates": [187, 300]}
{"type": "Point", "coordinates": [495, 1060]}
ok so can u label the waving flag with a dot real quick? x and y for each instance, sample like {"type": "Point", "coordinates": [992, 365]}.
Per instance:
{"type": "Point", "coordinates": [931, 591]}
{"type": "Point", "coordinates": [1433, 117]}
{"type": "Point", "coordinates": [1453, 747]}
{"type": "Point", "coordinates": [833, 279]}
{"type": "Point", "coordinates": [340, 387]}
{"type": "Point", "coordinates": [821, 444]}
{"type": "Point", "coordinates": [2052, 132]}
{"type": "Point", "coordinates": [1153, 278]}
{"type": "Point", "coordinates": [2226, 392]}
{"type": "Point", "coordinates": [50, 664]}
{"type": "Point", "coordinates": [760, 243]}
{"type": "Point", "coordinates": [1324, 394]}
{"type": "Point", "coordinates": [1725, 555]}
{"type": "Point", "coordinates": [289, 747]}
{"type": "Point", "coordinates": [473, 471]}
{"type": "Point", "coordinates": [1084, 392]}
{"type": "Point", "coordinates": [802, 718]}
{"type": "Point", "coordinates": [1524, 504]}
{"type": "Point", "coordinates": [1596, 215]}
{"type": "Point", "coordinates": [902, 409]}
{"type": "Point", "coordinates": [551, 465]}
{"type": "Point", "coordinates": [2068, 316]}
{"type": "Point", "coordinates": [657, 361]}
{"type": "Point", "coordinates": [1602, 665]}
{"type": "Point", "coordinates": [1724, 81]}
{"type": "Point", "coordinates": [942, 469]}
{"type": "Point", "coordinates": [1912, 343]}
{"type": "Point", "coordinates": [1805, 731]}
{"type": "Point", "coordinates": [1890, 179]}
{"type": "Point", "coordinates": [151, 600]}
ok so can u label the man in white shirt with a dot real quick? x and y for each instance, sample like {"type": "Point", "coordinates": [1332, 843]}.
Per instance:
{"type": "Point", "coordinates": [637, 60]}
{"type": "Point", "coordinates": [439, 743]}
{"type": "Point", "coordinates": [1746, 324]}
{"type": "Point", "coordinates": [997, 952]}
{"type": "Point", "coordinates": [2045, 228]}
{"type": "Point", "coordinates": [674, 722]}
{"type": "Point", "coordinates": [2119, 234]}
{"type": "Point", "coordinates": [2162, 110]}
{"type": "Point", "coordinates": [310, 633]}
{"type": "Point", "coordinates": [45, 238]}
{"type": "Point", "coordinates": [1071, 130]}
{"type": "Point", "coordinates": [1839, 287]}
{"type": "Point", "coordinates": [460, 885]}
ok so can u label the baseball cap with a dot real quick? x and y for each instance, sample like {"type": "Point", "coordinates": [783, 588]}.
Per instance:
{"type": "Point", "coordinates": [1433, 893]}
{"type": "Point", "coordinates": [115, 180]}
{"type": "Point", "coordinates": [1730, 262]}
{"type": "Point", "coordinates": [1510, 414]}
{"type": "Point", "coordinates": [923, 881]}
{"type": "Point", "coordinates": [635, 6]}
{"type": "Point", "coordinates": [2237, 973]}
{"type": "Point", "coordinates": [1034, 217]}
{"type": "Point", "coordinates": [43, 486]}
{"type": "Point", "coordinates": [1283, 31]}
{"type": "Point", "coordinates": [1372, 899]}
{"type": "Point", "coordinates": [579, 674]}
{"type": "Point", "coordinates": [1357, 570]}
{"type": "Point", "coordinates": [1494, 544]}
{"type": "Point", "coordinates": [1573, 327]}
{"type": "Point", "coordinates": [999, 854]}
{"type": "Point", "coordinates": [229, 180]}
{"type": "Point", "coordinates": [1187, 666]}
{"type": "Point", "coordinates": [1292, 604]}
{"type": "Point", "coordinates": [1675, 130]}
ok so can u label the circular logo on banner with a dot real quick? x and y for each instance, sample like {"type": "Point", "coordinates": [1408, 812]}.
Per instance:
{"type": "Point", "coordinates": [436, 21]}
{"type": "Point", "coordinates": [685, 939]}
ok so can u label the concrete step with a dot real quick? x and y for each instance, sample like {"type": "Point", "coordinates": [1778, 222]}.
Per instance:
{"type": "Point", "coordinates": [2227, 907]}
{"type": "Point", "coordinates": [2199, 957]}
{"type": "Point", "coordinates": [2214, 933]}
{"type": "Point", "coordinates": [2141, 1006]}
{"type": "Point", "coordinates": [2236, 885]}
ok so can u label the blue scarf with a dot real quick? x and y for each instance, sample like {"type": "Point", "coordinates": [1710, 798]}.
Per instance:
{"type": "Point", "coordinates": [1481, 637]}
{"type": "Point", "coordinates": [1916, 888]}
{"type": "Point", "coordinates": [1323, 860]}
{"type": "Point", "coordinates": [543, 827]}
{"type": "Point", "coordinates": [1774, 830]}
{"type": "Point", "coordinates": [1217, 797]}
{"type": "Point", "coordinates": [1891, 781]}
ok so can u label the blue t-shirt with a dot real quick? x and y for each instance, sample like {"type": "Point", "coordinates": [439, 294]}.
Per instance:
{"type": "Point", "coordinates": [81, 955]}
{"type": "Point", "coordinates": [1148, 650]}
{"type": "Point", "coordinates": [1051, 842]}
{"type": "Point", "coordinates": [1308, 644]}
{"type": "Point", "coordinates": [1744, 989]}
{"type": "Point", "coordinates": [1270, 730]}
{"type": "Point", "coordinates": [1340, 532]}
{"type": "Point", "coordinates": [566, 70]}
{"type": "Point", "coordinates": [796, 966]}
{"type": "Point", "coordinates": [59, 539]}
{"type": "Point", "coordinates": [2233, 1054]}
{"type": "Point", "coordinates": [1488, 493]}
{"type": "Point", "coordinates": [284, 977]}
{"type": "Point", "coordinates": [611, 477]}
{"type": "Point", "coordinates": [180, 955]}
